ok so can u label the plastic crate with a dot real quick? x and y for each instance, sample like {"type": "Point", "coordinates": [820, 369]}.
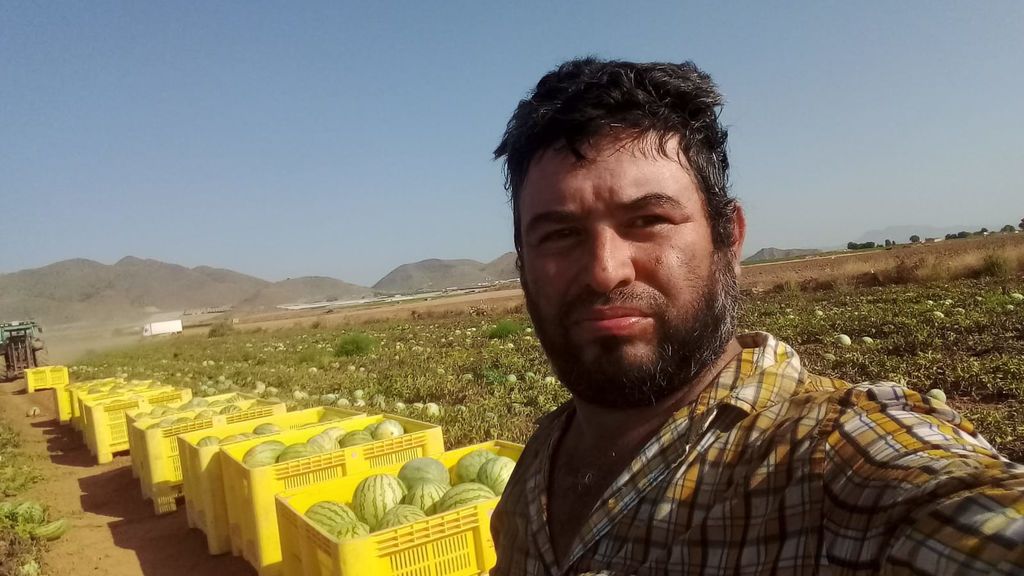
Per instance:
{"type": "Point", "coordinates": [64, 400]}
{"type": "Point", "coordinates": [203, 482]}
{"type": "Point", "coordinates": [252, 518]}
{"type": "Point", "coordinates": [455, 543]}
{"type": "Point", "coordinates": [101, 388]}
{"type": "Point", "coordinates": [45, 377]}
{"type": "Point", "coordinates": [106, 427]}
{"type": "Point", "coordinates": [155, 450]}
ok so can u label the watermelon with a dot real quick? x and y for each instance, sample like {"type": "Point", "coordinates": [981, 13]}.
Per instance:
{"type": "Point", "coordinates": [331, 416]}
{"type": "Point", "coordinates": [419, 469]}
{"type": "Point", "coordinates": [468, 466]}
{"type": "Point", "coordinates": [375, 495]}
{"type": "Point", "coordinates": [495, 473]}
{"type": "Point", "coordinates": [296, 451]}
{"type": "Point", "coordinates": [462, 495]}
{"type": "Point", "coordinates": [231, 409]}
{"type": "Point", "coordinates": [399, 515]}
{"type": "Point", "coordinates": [370, 428]}
{"type": "Point", "coordinates": [425, 493]}
{"type": "Point", "coordinates": [263, 454]}
{"type": "Point", "coordinates": [322, 443]}
{"type": "Point", "coordinates": [329, 515]}
{"type": "Point", "coordinates": [266, 428]}
{"type": "Point", "coordinates": [354, 439]}
{"type": "Point", "coordinates": [30, 512]}
{"type": "Point", "coordinates": [204, 414]}
{"type": "Point", "coordinates": [335, 433]}
{"type": "Point", "coordinates": [386, 429]}
{"type": "Point", "coordinates": [158, 412]}
{"type": "Point", "coordinates": [347, 530]}
{"type": "Point", "coordinates": [234, 438]}
{"type": "Point", "coordinates": [208, 441]}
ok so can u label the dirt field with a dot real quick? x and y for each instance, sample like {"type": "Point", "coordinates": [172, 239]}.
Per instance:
{"type": "Point", "coordinates": [114, 531]}
{"type": "Point", "coordinates": [953, 254]}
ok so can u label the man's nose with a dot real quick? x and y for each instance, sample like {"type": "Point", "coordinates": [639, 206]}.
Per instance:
{"type": "Point", "coordinates": [611, 262]}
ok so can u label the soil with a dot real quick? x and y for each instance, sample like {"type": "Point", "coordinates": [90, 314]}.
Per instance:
{"type": "Point", "coordinates": [114, 530]}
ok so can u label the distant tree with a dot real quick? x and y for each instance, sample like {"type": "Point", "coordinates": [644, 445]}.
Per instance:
{"type": "Point", "coordinates": [868, 245]}
{"type": "Point", "coordinates": [1021, 225]}
{"type": "Point", "coordinates": [963, 234]}
{"type": "Point", "coordinates": [888, 243]}
{"type": "Point", "coordinates": [1007, 228]}
{"type": "Point", "coordinates": [983, 230]}
{"type": "Point", "coordinates": [950, 236]}
{"type": "Point", "coordinates": [915, 239]}
{"type": "Point", "coordinates": [852, 246]}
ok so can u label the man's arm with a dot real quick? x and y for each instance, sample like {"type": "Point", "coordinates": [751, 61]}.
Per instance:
{"type": "Point", "coordinates": [909, 489]}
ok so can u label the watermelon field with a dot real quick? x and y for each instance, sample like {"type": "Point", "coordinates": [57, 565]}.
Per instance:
{"type": "Point", "coordinates": [483, 375]}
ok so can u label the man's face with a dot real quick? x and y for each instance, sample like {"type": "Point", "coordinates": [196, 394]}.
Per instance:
{"type": "Point", "coordinates": [629, 298]}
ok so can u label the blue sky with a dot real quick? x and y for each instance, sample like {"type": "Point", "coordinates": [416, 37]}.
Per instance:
{"type": "Point", "coordinates": [344, 139]}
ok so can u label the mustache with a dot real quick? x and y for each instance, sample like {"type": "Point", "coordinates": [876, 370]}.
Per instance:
{"type": "Point", "coordinates": [646, 301]}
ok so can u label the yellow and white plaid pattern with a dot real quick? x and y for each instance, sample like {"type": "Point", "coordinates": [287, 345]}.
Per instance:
{"type": "Point", "coordinates": [777, 471]}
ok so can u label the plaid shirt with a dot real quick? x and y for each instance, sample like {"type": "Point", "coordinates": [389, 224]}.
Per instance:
{"type": "Point", "coordinates": [778, 471]}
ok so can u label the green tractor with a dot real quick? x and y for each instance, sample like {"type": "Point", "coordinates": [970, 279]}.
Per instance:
{"type": "Point", "coordinates": [21, 347]}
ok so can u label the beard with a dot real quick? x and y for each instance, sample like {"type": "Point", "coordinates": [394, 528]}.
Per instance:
{"type": "Point", "coordinates": [687, 342]}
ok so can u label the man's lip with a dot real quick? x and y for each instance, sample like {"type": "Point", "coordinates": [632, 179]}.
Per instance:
{"type": "Point", "coordinates": [610, 313]}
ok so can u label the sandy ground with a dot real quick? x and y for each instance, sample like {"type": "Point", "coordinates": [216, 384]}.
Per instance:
{"type": "Point", "coordinates": [114, 530]}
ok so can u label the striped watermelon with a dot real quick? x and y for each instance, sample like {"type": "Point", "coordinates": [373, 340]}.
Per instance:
{"type": "Point", "coordinates": [462, 495]}
{"type": "Point", "coordinates": [266, 428]}
{"type": "Point", "coordinates": [354, 439]}
{"type": "Point", "coordinates": [387, 429]}
{"type": "Point", "coordinates": [468, 466]}
{"type": "Point", "coordinates": [296, 451]}
{"type": "Point", "coordinates": [231, 409]}
{"type": "Point", "coordinates": [370, 428]}
{"type": "Point", "coordinates": [347, 530]}
{"type": "Point", "coordinates": [399, 515]}
{"type": "Point", "coordinates": [329, 515]}
{"type": "Point", "coordinates": [263, 454]}
{"type": "Point", "coordinates": [208, 441]}
{"type": "Point", "coordinates": [424, 494]}
{"type": "Point", "coordinates": [495, 473]}
{"type": "Point", "coordinates": [420, 469]}
{"type": "Point", "coordinates": [375, 495]}
{"type": "Point", "coordinates": [204, 414]}
{"type": "Point", "coordinates": [322, 443]}
{"type": "Point", "coordinates": [234, 438]}
{"type": "Point", "coordinates": [335, 433]}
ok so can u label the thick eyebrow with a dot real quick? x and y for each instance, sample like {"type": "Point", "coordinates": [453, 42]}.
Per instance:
{"type": "Point", "coordinates": [652, 200]}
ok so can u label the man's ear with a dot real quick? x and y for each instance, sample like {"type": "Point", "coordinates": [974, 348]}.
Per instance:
{"type": "Point", "coordinates": [739, 233]}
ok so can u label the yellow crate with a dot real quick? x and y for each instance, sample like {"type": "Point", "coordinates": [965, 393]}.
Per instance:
{"type": "Point", "coordinates": [252, 519]}
{"type": "Point", "coordinates": [155, 450]}
{"type": "Point", "coordinates": [203, 481]}
{"type": "Point", "coordinates": [45, 377]}
{"type": "Point", "coordinates": [99, 388]}
{"type": "Point", "coordinates": [106, 429]}
{"type": "Point", "coordinates": [455, 543]}
{"type": "Point", "coordinates": [63, 397]}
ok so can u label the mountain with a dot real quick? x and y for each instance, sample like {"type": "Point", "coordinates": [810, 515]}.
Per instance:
{"type": "Point", "coordinates": [305, 290]}
{"type": "Point", "coordinates": [132, 289]}
{"type": "Point", "coordinates": [770, 254]}
{"type": "Point", "coordinates": [435, 274]}
{"type": "Point", "coordinates": [902, 234]}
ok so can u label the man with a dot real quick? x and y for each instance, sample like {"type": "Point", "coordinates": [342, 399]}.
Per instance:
{"type": "Point", "coordinates": [687, 449]}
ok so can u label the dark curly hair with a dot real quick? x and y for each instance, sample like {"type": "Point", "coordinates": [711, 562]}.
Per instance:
{"type": "Point", "coordinates": [587, 98]}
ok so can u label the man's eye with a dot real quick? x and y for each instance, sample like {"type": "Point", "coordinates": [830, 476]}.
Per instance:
{"type": "Point", "coordinates": [648, 221]}
{"type": "Point", "coordinates": [557, 235]}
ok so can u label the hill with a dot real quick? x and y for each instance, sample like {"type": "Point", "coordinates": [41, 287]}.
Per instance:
{"type": "Point", "coordinates": [132, 289]}
{"type": "Point", "coordinates": [435, 274]}
{"type": "Point", "coordinates": [305, 290]}
{"type": "Point", "coordinates": [771, 254]}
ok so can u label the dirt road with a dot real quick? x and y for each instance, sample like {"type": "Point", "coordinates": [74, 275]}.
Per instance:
{"type": "Point", "coordinates": [114, 530]}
